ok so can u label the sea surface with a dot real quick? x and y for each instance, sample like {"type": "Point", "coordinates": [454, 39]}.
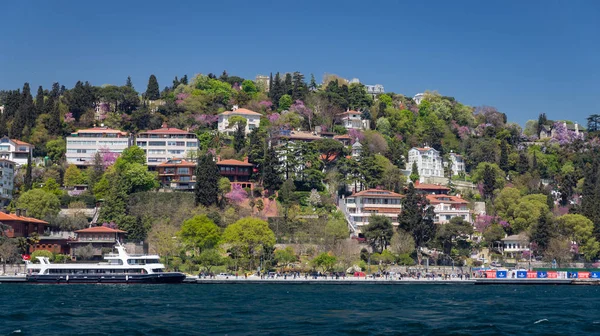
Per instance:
{"type": "Point", "coordinates": [273, 309]}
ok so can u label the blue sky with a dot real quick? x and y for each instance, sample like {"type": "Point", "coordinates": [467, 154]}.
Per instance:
{"type": "Point", "coordinates": [523, 57]}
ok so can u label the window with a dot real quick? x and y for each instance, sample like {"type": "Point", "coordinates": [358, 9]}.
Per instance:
{"type": "Point", "coordinates": [183, 171]}
{"type": "Point", "coordinates": [175, 151]}
{"type": "Point", "coordinates": [142, 143]}
{"type": "Point", "coordinates": [192, 144]}
{"type": "Point", "coordinates": [176, 143]}
{"type": "Point", "coordinates": [156, 143]}
{"type": "Point", "coordinates": [156, 151]}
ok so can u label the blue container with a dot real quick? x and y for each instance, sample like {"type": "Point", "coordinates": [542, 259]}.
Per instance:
{"type": "Point", "coordinates": [501, 274]}
{"type": "Point", "coordinates": [595, 275]}
{"type": "Point", "coordinates": [572, 275]}
{"type": "Point", "coordinates": [542, 274]}
{"type": "Point", "coordinates": [522, 274]}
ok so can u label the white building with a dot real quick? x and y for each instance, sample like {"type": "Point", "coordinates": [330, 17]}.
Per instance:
{"type": "Point", "coordinates": [447, 207]}
{"type": "Point", "coordinates": [429, 161]}
{"type": "Point", "coordinates": [353, 120]}
{"type": "Point", "coordinates": [359, 206]}
{"type": "Point", "coordinates": [15, 150]}
{"type": "Point", "coordinates": [166, 143]}
{"type": "Point", "coordinates": [356, 150]}
{"type": "Point", "coordinates": [515, 245]}
{"type": "Point", "coordinates": [252, 120]}
{"type": "Point", "coordinates": [457, 163]}
{"type": "Point", "coordinates": [375, 89]}
{"type": "Point", "coordinates": [418, 98]}
{"type": "Point", "coordinates": [83, 145]}
{"type": "Point", "coordinates": [7, 177]}
{"type": "Point", "coordinates": [262, 82]}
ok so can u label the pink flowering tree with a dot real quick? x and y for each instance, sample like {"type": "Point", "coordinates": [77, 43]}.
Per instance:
{"type": "Point", "coordinates": [206, 120]}
{"type": "Point", "coordinates": [462, 131]}
{"type": "Point", "coordinates": [303, 110]}
{"type": "Point", "coordinates": [356, 135]}
{"type": "Point", "coordinates": [274, 117]}
{"type": "Point", "coordinates": [108, 157]}
{"type": "Point", "coordinates": [181, 97]}
{"type": "Point", "coordinates": [237, 195]}
{"type": "Point", "coordinates": [265, 105]}
{"type": "Point", "coordinates": [69, 118]}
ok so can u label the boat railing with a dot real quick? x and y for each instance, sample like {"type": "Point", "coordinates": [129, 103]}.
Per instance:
{"type": "Point", "coordinates": [116, 255]}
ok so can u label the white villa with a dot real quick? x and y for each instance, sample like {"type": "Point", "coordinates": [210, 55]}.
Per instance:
{"type": "Point", "coordinates": [15, 150]}
{"type": "Point", "coordinates": [457, 163]}
{"type": "Point", "coordinates": [429, 161]}
{"type": "Point", "coordinates": [361, 205]}
{"type": "Point", "coordinates": [515, 245]}
{"type": "Point", "coordinates": [353, 120]}
{"type": "Point", "coordinates": [418, 98]}
{"type": "Point", "coordinates": [83, 145]}
{"type": "Point", "coordinates": [252, 120]}
{"type": "Point", "coordinates": [447, 207]}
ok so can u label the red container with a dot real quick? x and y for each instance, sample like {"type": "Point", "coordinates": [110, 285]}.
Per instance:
{"type": "Point", "coordinates": [490, 274]}
{"type": "Point", "coordinates": [531, 275]}
{"type": "Point", "coordinates": [584, 275]}
{"type": "Point", "coordinates": [552, 275]}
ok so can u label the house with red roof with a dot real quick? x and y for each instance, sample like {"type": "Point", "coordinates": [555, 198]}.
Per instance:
{"type": "Point", "coordinates": [15, 150]}
{"type": "Point", "coordinates": [447, 207]}
{"type": "Point", "coordinates": [166, 143]}
{"type": "Point", "coordinates": [101, 239]}
{"type": "Point", "coordinates": [177, 174]}
{"type": "Point", "coordinates": [431, 189]}
{"type": "Point", "coordinates": [22, 226]}
{"type": "Point", "coordinates": [359, 206]}
{"type": "Point", "coordinates": [252, 119]}
{"type": "Point", "coordinates": [83, 145]}
{"type": "Point", "coordinates": [238, 172]}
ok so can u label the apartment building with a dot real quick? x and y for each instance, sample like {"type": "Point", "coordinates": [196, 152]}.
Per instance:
{"type": "Point", "coordinates": [166, 143]}
{"type": "Point", "coordinates": [428, 160]}
{"type": "Point", "coordinates": [238, 172]}
{"type": "Point", "coordinates": [15, 150]}
{"type": "Point", "coordinates": [83, 145]}
{"type": "Point", "coordinates": [359, 206]}
{"type": "Point", "coordinates": [7, 177]}
{"type": "Point", "coordinates": [252, 120]}
{"type": "Point", "coordinates": [457, 164]}
{"type": "Point", "coordinates": [177, 174]}
{"type": "Point", "coordinates": [447, 207]}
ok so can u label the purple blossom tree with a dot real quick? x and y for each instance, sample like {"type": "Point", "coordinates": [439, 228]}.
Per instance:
{"type": "Point", "coordinates": [301, 109]}
{"type": "Point", "coordinates": [206, 119]}
{"type": "Point", "coordinates": [181, 97]}
{"type": "Point", "coordinates": [266, 104]}
{"type": "Point", "coordinates": [463, 131]}
{"type": "Point", "coordinates": [69, 118]}
{"type": "Point", "coordinates": [108, 157]}
{"type": "Point", "coordinates": [274, 117]}
{"type": "Point", "coordinates": [237, 195]}
{"type": "Point", "coordinates": [356, 135]}
{"type": "Point", "coordinates": [562, 135]}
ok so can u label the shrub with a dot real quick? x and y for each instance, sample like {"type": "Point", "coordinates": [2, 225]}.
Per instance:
{"type": "Point", "coordinates": [41, 253]}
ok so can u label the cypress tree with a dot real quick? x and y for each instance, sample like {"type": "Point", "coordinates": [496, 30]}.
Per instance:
{"type": "Point", "coordinates": [153, 91]}
{"type": "Point", "coordinates": [489, 182]}
{"type": "Point", "coordinates": [128, 82]}
{"type": "Point", "coordinates": [184, 80]}
{"type": "Point", "coordinates": [414, 174]}
{"type": "Point", "coordinates": [299, 88]}
{"type": "Point", "coordinates": [523, 164]}
{"type": "Point", "coordinates": [54, 122]}
{"type": "Point", "coordinates": [24, 113]}
{"type": "Point", "coordinates": [277, 90]}
{"type": "Point", "coordinates": [28, 181]}
{"type": "Point", "coordinates": [504, 156]}
{"type": "Point", "coordinates": [313, 82]}
{"type": "Point", "coordinates": [541, 122]}
{"type": "Point", "coordinates": [176, 82]}
{"type": "Point", "coordinates": [270, 171]}
{"type": "Point", "coordinates": [534, 163]}
{"type": "Point", "coordinates": [542, 233]}
{"type": "Point", "coordinates": [287, 84]}
{"type": "Point", "coordinates": [271, 82]}
{"type": "Point", "coordinates": [207, 180]}
{"type": "Point", "coordinates": [39, 101]}
{"type": "Point", "coordinates": [239, 138]}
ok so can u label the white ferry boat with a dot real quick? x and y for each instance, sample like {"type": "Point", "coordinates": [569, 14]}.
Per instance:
{"type": "Point", "coordinates": [119, 267]}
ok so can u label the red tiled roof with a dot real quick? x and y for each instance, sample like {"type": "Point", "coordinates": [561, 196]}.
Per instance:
{"type": "Point", "coordinates": [182, 163]}
{"type": "Point", "coordinates": [232, 162]}
{"type": "Point", "coordinates": [22, 143]}
{"type": "Point", "coordinates": [437, 199]}
{"type": "Point", "coordinates": [166, 130]}
{"type": "Point", "coordinates": [100, 229]}
{"type": "Point", "coordinates": [425, 186]}
{"type": "Point", "coordinates": [100, 130]}
{"type": "Point", "coordinates": [378, 193]}
{"type": "Point", "coordinates": [14, 217]}
{"type": "Point", "coordinates": [241, 111]}
{"type": "Point", "coordinates": [331, 158]}
{"type": "Point", "coordinates": [350, 112]}
{"type": "Point", "coordinates": [343, 136]}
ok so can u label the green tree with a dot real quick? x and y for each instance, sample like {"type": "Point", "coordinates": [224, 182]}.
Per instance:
{"type": "Point", "coordinates": [56, 149]}
{"type": "Point", "coordinates": [248, 238]}
{"type": "Point", "coordinates": [207, 180]}
{"type": "Point", "coordinates": [542, 232]}
{"type": "Point", "coordinates": [239, 135]}
{"type": "Point", "coordinates": [414, 174]}
{"type": "Point", "coordinates": [28, 180]}
{"type": "Point", "coordinates": [209, 258]}
{"type": "Point", "coordinates": [270, 171]}
{"type": "Point", "coordinates": [51, 186]}
{"type": "Point", "coordinates": [9, 252]}
{"type": "Point", "coordinates": [504, 156]}
{"type": "Point", "coordinates": [285, 102]}
{"type": "Point", "coordinates": [73, 176]}
{"type": "Point", "coordinates": [378, 232]}
{"type": "Point", "coordinates": [325, 261]}
{"type": "Point", "coordinates": [287, 195]}
{"type": "Point", "coordinates": [153, 90]}
{"type": "Point", "coordinates": [39, 203]}
{"type": "Point", "coordinates": [133, 154]}
{"type": "Point", "coordinates": [450, 233]}
{"type": "Point", "coordinates": [285, 257]}
{"type": "Point", "coordinates": [95, 171]}
{"type": "Point", "coordinates": [580, 230]}
{"type": "Point", "coordinates": [417, 217]}
{"type": "Point", "coordinates": [199, 233]}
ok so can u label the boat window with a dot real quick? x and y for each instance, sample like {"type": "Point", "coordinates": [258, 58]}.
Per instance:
{"type": "Point", "coordinates": [136, 261]}
{"type": "Point", "coordinates": [157, 270]}
{"type": "Point", "coordinates": [152, 261]}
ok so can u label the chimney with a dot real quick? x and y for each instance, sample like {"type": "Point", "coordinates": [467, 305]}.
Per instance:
{"type": "Point", "coordinates": [24, 212]}
{"type": "Point", "coordinates": [246, 159]}
{"type": "Point", "coordinates": [18, 212]}
{"type": "Point", "coordinates": [164, 125]}
{"type": "Point", "coordinates": [235, 107]}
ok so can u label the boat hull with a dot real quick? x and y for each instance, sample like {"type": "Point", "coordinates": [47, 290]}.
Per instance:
{"type": "Point", "coordinates": [158, 278]}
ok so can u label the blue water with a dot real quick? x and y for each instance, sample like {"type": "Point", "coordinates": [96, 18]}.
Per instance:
{"type": "Point", "coordinates": [272, 309]}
